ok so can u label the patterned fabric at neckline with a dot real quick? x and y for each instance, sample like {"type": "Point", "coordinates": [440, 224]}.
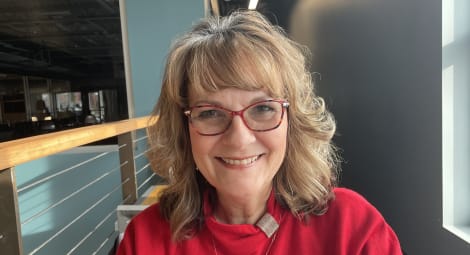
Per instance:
{"type": "Point", "coordinates": [243, 238]}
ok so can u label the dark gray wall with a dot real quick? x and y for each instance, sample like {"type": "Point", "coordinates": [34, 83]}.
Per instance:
{"type": "Point", "coordinates": [380, 64]}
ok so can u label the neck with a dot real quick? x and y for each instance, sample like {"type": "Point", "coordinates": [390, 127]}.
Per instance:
{"type": "Point", "coordinates": [241, 210]}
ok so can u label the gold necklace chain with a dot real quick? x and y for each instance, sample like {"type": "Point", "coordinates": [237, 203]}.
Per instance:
{"type": "Point", "coordinates": [267, 251]}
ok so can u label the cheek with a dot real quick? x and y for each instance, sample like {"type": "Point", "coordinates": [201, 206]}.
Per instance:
{"type": "Point", "coordinates": [276, 142]}
{"type": "Point", "coordinates": [200, 146]}
{"type": "Point", "coordinates": [195, 143]}
{"type": "Point", "coordinates": [281, 135]}
{"type": "Point", "coordinates": [281, 142]}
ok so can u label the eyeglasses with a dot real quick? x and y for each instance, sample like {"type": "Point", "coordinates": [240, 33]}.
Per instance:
{"type": "Point", "coordinates": [261, 116]}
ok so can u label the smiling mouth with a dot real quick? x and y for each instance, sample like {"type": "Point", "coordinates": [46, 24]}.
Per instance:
{"type": "Point", "coordinates": [240, 162]}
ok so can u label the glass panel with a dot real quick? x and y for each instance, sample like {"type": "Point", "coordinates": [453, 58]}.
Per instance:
{"type": "Point", "coordinates": [12, 101]}
{"type": "Point", "coordinates": [96, 104]}
{"type": "Point", "coordinates": [39, 99]}
{"type": "Point", "coordinates": [69, 107]}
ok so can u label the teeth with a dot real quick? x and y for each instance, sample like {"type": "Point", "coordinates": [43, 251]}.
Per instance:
{"type": "Point", "coordinates": [246, 161]}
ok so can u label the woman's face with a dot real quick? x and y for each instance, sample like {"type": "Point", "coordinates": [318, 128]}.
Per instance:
{"type": "Point", "coordinates": [239, 162]}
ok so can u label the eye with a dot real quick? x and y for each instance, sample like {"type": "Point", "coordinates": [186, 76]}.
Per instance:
{"type": "Point", "coordinates": [208, 113]}
{"type": "Point", "coordinates": [263, 108]}
{"type": "Point", "coordinates": [263, 111]}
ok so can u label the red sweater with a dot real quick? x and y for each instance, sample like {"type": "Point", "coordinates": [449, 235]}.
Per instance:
{"type": "Point", "coordinates": [351, 226]}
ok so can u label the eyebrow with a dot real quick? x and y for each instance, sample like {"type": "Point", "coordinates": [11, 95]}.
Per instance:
{"type": "Point", "coordinates": [215, 102]}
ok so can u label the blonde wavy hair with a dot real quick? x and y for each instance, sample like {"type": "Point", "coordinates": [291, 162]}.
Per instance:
{"type": "Point", "coordinates": [245, 51]}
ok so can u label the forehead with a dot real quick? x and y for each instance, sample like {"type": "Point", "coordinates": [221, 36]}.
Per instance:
{"type": "Point", "coordinates": [229, 97]}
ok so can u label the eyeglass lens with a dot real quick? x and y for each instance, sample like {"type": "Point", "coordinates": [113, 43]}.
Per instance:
{"type": "Point", "coordinates": [261, 116]}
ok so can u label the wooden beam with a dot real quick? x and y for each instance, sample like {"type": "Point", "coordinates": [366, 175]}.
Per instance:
{"type": "Point", "coordinates": [13, 153]}
{"type": "Point", "coordinates": [215, 7]}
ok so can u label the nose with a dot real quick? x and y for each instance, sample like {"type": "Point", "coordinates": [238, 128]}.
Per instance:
{"type": "Point", "coordinates": [238, 134]}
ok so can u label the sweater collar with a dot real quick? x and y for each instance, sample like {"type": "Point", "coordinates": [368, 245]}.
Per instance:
{"type": "Point", "coordinates": [267, 224]}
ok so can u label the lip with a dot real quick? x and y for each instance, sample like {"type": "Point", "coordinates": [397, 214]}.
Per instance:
{"type": "Point", "coordinates": [239, 162]}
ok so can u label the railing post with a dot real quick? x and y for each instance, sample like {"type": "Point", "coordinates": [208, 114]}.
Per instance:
{"type": "Point", "coordinates": [128, 178]}
{"type": "Point", "coordinates": [10, 226]}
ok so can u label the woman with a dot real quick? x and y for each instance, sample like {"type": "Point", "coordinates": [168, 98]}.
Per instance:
{"type": "Point", "coordinates": [245, 146]}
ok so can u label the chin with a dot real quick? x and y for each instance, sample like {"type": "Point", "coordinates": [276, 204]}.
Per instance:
{"type": "Point", "coordinates": [241, 190]}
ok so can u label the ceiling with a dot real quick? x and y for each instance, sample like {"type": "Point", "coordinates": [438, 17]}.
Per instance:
{"type": "Point", "coordinates": [79, 38]}
{"type": "Point", "coordinates": [277, 11]}
{"type": "Point", "coordinates": [60, 37]}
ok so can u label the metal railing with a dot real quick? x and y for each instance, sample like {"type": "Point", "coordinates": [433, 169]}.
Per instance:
{"type": "Point", "coordinates": [89, 188]}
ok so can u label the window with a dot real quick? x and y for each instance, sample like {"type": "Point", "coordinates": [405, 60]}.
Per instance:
{"type": "Point", "coordinates": [96, 105]}
{"type": "Point", "coordinates": [68, 104]}
{"type": "Point", "coordinates": [456, 116]}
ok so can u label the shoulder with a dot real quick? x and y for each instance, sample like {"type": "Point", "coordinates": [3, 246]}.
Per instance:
{"type": "Point", "coordinates": [147, 231]}
{"type": "Point", "coordinates": [147, 220]}
{"type": "Point", "coordinates": [348, 193]}
{"type": "Point", "coordinates": [347, 199]}
{"type": "Point", "coordinates": [151, 211]}
{"type": "Point", "coordinates": [353, 214]}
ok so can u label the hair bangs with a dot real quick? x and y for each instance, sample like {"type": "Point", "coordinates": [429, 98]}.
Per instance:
{"type": "Point", "coordinates": [238, 63]}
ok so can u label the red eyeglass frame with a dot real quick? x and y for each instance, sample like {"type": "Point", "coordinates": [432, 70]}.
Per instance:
{"type": "Point", "coordinates": [284, 105]}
